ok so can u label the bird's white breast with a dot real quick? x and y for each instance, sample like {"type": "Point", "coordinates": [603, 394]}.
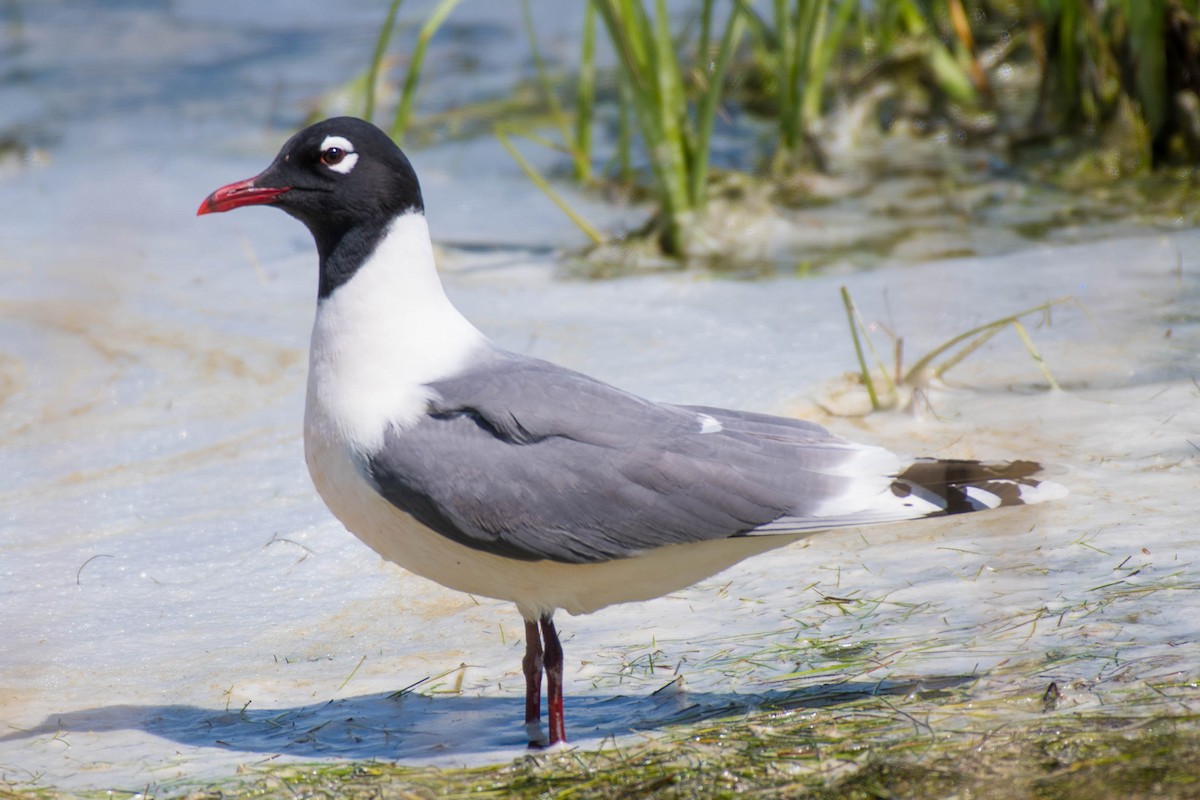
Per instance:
{"type": "Point", "coordinates": [380, 338]}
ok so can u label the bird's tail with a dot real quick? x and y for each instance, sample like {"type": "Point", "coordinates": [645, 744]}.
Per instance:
{"type": "Point", "coordinates": [958, 487]}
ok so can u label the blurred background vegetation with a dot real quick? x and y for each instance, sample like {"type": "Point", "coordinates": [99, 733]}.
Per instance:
{"type": "Point", "coordinates": [1080, 93]}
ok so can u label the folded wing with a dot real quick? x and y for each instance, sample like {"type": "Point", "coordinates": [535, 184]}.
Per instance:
{"type": "Point", "coordinates": [528, 460]}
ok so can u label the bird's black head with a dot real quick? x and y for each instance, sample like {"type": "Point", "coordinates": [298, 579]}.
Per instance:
{"type": "Point", "coordinates": [343, 178]}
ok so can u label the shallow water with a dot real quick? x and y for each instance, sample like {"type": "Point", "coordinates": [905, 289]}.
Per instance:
{"type": "Point", "coordinates": [178, 603]}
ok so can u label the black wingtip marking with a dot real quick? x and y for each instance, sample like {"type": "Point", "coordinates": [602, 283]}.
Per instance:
{"type": "Point", "coordinates": [950, 481]}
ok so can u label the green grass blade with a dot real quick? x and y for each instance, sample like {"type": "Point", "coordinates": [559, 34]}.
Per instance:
{"type": "Point", "coordinates": [811, 19]}
{"type": "Point", "coordinates": [1070, 28]}
{"type": "Point", "coordinates": [556, 111]}
{"type": "Point", "coordinates": [624, 129]}
{"type": "Point", "coordinates": [435, 20]}
{"type": "Point", "coordinates": [820, 59]}
{"type": "Point", "coordinates": [1034, 354]}
{"type": "Point", "coordinates": [948, 72]}
{"type": "Point", "coordinates": [976, 343]}
{"type": "Point", "coordinates": [585, 95]}
{"type": "Point", "coordinates": [633, 58]}
{"type": "Point", "coordinates": [672, 115]}
{"type": "Point", "coordinates": [647, 59]}
{"type": "Point", "coordinates": [539, 64]}
{"type": "Point", "coordinates": [1146, 41]}
{"type": "Point", "coordinates": [853, 318]}
{"type": "Point", "coordinates": [761, 29]}
{"type": "Point", "coordinates": [381, 43]}
{"type": "Point", "coordinates": [786, 76]}
{"type": "Point", "coordinates": [706, 114]}
{"type": "Point", "coordinates": [619, 19]}
{"type": "Point", "coordinates": [540, 181]}
{"type": "Point", "coordinates": [914, 373]}
{"type": "Point", "coordinates": [704, 42]}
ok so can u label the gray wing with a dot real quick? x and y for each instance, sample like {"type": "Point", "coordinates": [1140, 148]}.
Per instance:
{"type": "Point", "coordinates": [524, 459]}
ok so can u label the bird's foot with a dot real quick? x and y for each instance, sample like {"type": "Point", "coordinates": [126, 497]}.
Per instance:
{"type": "Point", "coordinates": [537, 737]}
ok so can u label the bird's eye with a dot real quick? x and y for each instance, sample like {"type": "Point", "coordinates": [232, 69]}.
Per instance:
{"type": "Point", "coordinates": [337, 153]}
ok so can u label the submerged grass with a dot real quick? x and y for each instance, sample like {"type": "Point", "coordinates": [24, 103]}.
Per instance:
{"type": "Point", "coordinates": [1037, 725]}
{"type": "Point", "coordinates": [864, 748]}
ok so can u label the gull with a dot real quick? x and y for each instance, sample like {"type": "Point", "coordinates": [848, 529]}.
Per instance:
{"type": "Point", "coordinates": [510, 477]}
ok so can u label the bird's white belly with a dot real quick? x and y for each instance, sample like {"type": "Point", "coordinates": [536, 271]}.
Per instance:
{"type": "Point", "coordinates": [536, 587]}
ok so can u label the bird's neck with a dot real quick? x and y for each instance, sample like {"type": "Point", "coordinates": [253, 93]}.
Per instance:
{"type": "Point", "coordinates": [385, 332]}
{"type": "Point", "coordinates": [344, 249]}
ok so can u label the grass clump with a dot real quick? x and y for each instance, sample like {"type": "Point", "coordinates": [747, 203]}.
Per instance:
{"type": "Point", "coordinates": [799, 45]}
{"type": "Point", "coordinates": [934, 364]}
{"type": "Point", "coordinates": [1126, 72]}
{"type": "Point", "coordinates": [675, 118]}
{"type": "Point", "coordinates": [669, 99]}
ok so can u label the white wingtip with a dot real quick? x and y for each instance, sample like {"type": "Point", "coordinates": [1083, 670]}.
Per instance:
{"type": "Point", "coordinates": [1042, 492]}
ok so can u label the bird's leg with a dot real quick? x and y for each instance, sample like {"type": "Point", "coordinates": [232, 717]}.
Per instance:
{"type": "Point", "coordinates": [532, 666]}
{"type": "Point", "coordinates": [554, 688]}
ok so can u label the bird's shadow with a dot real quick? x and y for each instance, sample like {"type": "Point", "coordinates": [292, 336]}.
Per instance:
{"type": "Point", "coordinates": [422, 727]}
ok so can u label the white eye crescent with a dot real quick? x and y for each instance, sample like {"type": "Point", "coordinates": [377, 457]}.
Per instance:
{"type": "Point", "coordinates": [338, 154]}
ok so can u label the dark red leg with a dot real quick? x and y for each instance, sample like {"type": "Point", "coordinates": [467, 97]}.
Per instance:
{"type": "Point", "coordinates": [532, 665]}
{"type": "Point", "coordinates": [554, 673]}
